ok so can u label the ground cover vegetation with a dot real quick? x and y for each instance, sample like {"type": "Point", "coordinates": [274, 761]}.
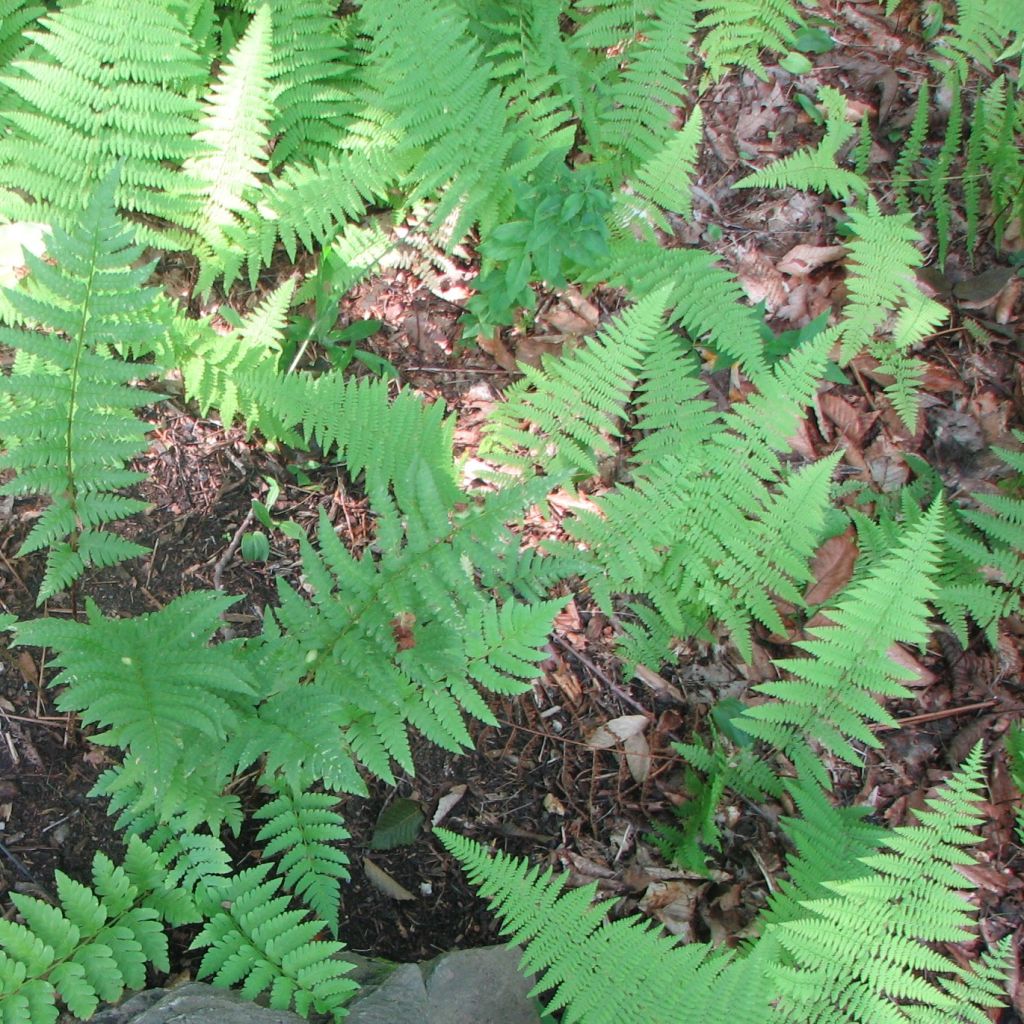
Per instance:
{"type": "Point", "coordinates": [557, 137]}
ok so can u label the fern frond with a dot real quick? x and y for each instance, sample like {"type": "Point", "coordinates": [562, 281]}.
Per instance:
{"type": "Point", "coordinates": [860, 955]}
{"type": "Point", "coordinates": [645, 976]}
{"type": "Point", "coordinates": [979, 35]}
{"type": "Point", "coordinates": [883, 255]}
{"type": "Point", "coordinates": [634, 120]}
{"type": "Point", "coordinates": [300, 828]}
{"type": "Point", "coordinates": [830, 697]}
{"type": "Point", "coordinates": [15, 17]}
{"type": "Point", "coordinates": [736, 33]}
{"type": "Point", "coordinates": [572, 403]}
{"type": "Point", "coordinates": [663, 180]}
{"type": "Point", "coordinates": [446, 125]}
{"type": "Point", "coordinates": [251, 937]}
{"type": "Point", "coordinates": [307, 205]}
{"type": "Point", "coordinates": [371, 681]}
{"type": "Point", "coordinates": [310, 107]}
{"type": "Point", "coordinates": [233, 136]}
{"type": "Point", "coordinates": [830, 842]}
{"type": "Point", "coordinates": [719, 529]}
{"type": "Point", "coordinates": [117, 674]}
{"type": "Point", "coordinates": [216, 368]}
{"type": "Point", "coordinates": [704, 299]}
{"type": "Point", "coordinates": [95, 943]}
{"type": "Point", "coordinates": [107, 81]}
{"type": "Point", "coordinates": [814, 169]}
{"type": "Point", "coordinates": [910, 151]}
{"type": "Point", "coordinates": [66, 410]}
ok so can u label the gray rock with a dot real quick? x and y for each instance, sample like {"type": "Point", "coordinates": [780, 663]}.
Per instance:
{"type": "Point", "coordinates": [194, 1004]}
{"type": "Point", "coordinates": [401, 998]}
{"type": "Point", "coordinates": [469, 986]}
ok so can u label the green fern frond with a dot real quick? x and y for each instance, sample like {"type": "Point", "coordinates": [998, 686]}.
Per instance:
{"type": "Point", "coordinates": [815, 169]}
{"type": "Point", "coordinates": [829, 842]}
{"type": "Point", "coordinates": [704, 299]}
{"type": "Point", "coordinates": [979, 35]}
{"type": "Point", "coordinates": [445, 124]}
{"type": "Point", "coordinates": [883, 255]}
{"type": "Point", "coordinates": [831, 695]}
{"type": "Point", "coordinates": [15, 17]}
{"type": "Point", "coordinates": [116, 673]}
{"type": "Point", "coordinates": [67, 417]}
{"type": "Point", "coordinates": [572, 403]}
{"type": "Point", "coordinates": [251, 937]}
{"type": "Point", "coordinates": [847, 956]}
{"type": "Point", "coordinates": [859, 955]}
{"type": "Point", "coordinates": [107, 80]}
{"type": "Point", "coordinates": [300, 830]}
{"type": "Point", "coordinates": [634, 120]}
{"type": "Point", "coordinates": [233, 137]}
{"type": "Point", "coordinates": [910, 150]}
{"type": "Point", "coordinates": [216, 368]}
{"type": "Point", "coordinates": [603, 973]}
{"type": "Point", "coordinates": [663, 180]}
{"type": "Point", "coordinates": [357, 420]}
{"type": "Point", "coordinates": [89, 947]}
{"type": "Point", "coordinates": [404, 641]}
{"type": "Point", "coordinates": [719, 529]}
{"type": "Point", "coordinates": [309, 100]}
{"type": "Point", "coordinates": [737, 32]}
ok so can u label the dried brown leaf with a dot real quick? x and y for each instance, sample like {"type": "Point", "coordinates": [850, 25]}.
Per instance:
{"type": "Point", "coordinates": [383, 882]}
{"type": "Point", "coordinates": [832, 567]}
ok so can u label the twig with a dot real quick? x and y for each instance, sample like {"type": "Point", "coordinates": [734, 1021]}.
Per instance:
{"type": "Point", "coordinates": [935, 716]}
{"type": "Point", "coordinates": [603, 676]}
{"type": "Point", "coordinates": [226, 632]}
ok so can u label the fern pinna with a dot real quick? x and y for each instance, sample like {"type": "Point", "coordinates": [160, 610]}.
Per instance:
{"type": "Point", "coordinates": [67, 409]}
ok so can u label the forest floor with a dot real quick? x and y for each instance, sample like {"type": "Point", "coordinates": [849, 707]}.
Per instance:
{"type": "Point", "coordinates": [549, 782]}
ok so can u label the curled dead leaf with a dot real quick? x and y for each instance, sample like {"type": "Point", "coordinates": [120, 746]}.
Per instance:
{"type": "Point", "coordinates": [383, 882]}
{"type": "Point", "coordinates": [802, 259]}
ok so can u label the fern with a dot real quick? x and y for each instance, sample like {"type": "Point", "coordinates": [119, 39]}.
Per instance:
{"type": "Point", "coordinates": [855, 953]}
{"type": "Point", "coordinates": [117, 675]}
{"type": "Point", "coordinates": [308, 83]}
{"type": "Point", "coordinates": [90, 947]}
{"type": "Point", "coordinates": [343, 645]}
{"type": "Point", "coordinates": [233, 136]}
{"type": "Point", "coordinates": [108, 80]}
{"type": "Point", "coordinates": [883, 255]}
{"type": "Point", "coordinates": [830, 697]}
{"type": "Point", "coordinates": [718, 528]}
{"type": "Point", "coordinates": [815, 169]}
{"type": "Point", "coordinates": [910, 151]}
{"type": "Point", "coordinates": [251, 937]}
{"type": "Point", "coordinates": [218, 369]}
{"type": "Point", "coordinates": [663, 180]}
{"type": "Point", "coordinates": [572, 403]}
{"type": "Point", "coordinates": [299, 829]}
{"type": "Point", "coordinates": [874, 958]}
{"type": "Point", "coordinates": [978, 35]}
{"type": "Point", "coordinates": [66, 410]}
{"type": "Point", "coordinates": [634, 121]}
{"type": "Point", "coordinates": [736, 32]}
{"type": "Point", "coordinates": [602, 972]}
{"type": "Point", "coordinates": [830, 843]}
{"type": "Point", "coordinates": [871, 973]}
